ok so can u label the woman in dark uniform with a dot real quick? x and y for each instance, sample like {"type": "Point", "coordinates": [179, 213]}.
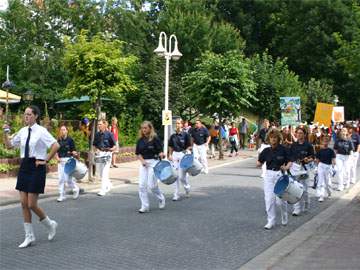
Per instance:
{"type": "Point", "coordinates": [33, 140]}
{"type": "Point", "coordinates": [302, 153]}
{"type": "Point", "coordinates": [148, 149]}
{"type": "Point", "coordinates": [277, 158]}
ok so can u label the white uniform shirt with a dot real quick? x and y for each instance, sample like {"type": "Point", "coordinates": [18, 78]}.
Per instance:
{"type": "Point", "coordinates": [40, 141]}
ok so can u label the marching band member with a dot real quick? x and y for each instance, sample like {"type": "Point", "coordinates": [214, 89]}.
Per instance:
{"type": "Point", "coordinates": [148, 149]}
{"type": "Point", "coordinates": [325, 157]}
{"type": "Point", "coordinates": [33, 140]}
{"type": "Point", "coordinates": [277, 159]}
{"type": "Point", "coordinates": [201, 138]}
{"type": "Point", "coordinates": [302, 152]}
{"type": "Point", "coordinates": [355, 138]}
{"type": "Point", "coordinates": [179, 142]}
{"type": "Point", "coordinates": [66, 150]}
{"type": "Point", "coordinates": [104, 144]}
{"type": "Point", "coordinates": [343, 148]}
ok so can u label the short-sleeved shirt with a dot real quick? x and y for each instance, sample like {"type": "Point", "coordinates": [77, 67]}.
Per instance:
{"type": "Point", "coordinates": [180, 141]}
{"type": "Point", "coordinates": [343, 147]}
{"type": "Point", "coordinates": [115, 131]}
{"type": "Point", "coordinates": [275, 157]}
{"type": "Point", "coordinates": [67, 145]}
{"type": "Point", "coordinates": [233, 131]}
{"type": "Point", "coordinates": [325, 155]}
{"type": "Point", "coordinates": [300, 151]}
{"type": "Point", "coordinates": [40, 141]}
{"type": "Point", "coordinates": [262, 134]}
{"type": "Point", "coordinates": [104, 140]}
{"type": "Point", "coordinates": [355, 138]}
{"type": "Point", "coordinates": [243, 127]}
{"type": "Point", "coordinates": [149, 149]}
{"type": "Point", "coordinates": [200, 135]}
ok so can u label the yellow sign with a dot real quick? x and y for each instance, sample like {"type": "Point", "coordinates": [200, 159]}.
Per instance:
{"type": "Point", "coordinates": [166, 118]}
{"type": "Point", "coordinates": [323, 114]}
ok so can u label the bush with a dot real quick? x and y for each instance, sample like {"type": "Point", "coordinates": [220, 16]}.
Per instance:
{"type": "Point", "coordinates": [128, 129]}
{"type": "Point", "coordinates": [9, 153]}
{"type": "Point", "coordinates": [4, 168]}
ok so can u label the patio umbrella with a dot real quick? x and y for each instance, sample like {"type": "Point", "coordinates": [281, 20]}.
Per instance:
{"type": "Point", "coordinates": [7, 97]}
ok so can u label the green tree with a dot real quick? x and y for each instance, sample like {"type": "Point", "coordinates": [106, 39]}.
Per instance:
{"type": "Point", "coordinates": [98, 69]}
{"type": "Point", "coordinates": [273, 80]}
{"type": "Point", "coordinates": [221, 84]}
{"type": "Point", "coordinates": [316, 91]}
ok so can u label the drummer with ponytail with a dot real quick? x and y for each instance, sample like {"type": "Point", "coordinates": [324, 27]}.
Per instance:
{"type": "Point", "coordinates": [148, 149]}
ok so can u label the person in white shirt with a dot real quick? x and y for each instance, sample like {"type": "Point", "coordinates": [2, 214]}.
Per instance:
{"type": "Point", "coordinates": [34, 141]}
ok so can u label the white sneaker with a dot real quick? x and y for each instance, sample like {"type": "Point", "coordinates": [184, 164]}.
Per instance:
{"type": "Point", "coordinates": [284, 219]}
{"type": "Point", "coordinates": [296, 213]}
{"type": "Point", "coordinates": [268, 226]}
{"type": "Point", "coordinates": [143, 210]}
{"type": "Point", "coordinates": [61, 198]}
{"type": "Point", "coordinates": [321, 199]}
{"type": "Point", "coordinates": [101, 193]}
{"type": "Point", "coordinates": [162, 204]}
{"type": "Point", "coordinates": [76, 193]}
{"type": "Point", "coordinates": [176, 198]}
{"type": "Point", "coordinates": [340, 188]}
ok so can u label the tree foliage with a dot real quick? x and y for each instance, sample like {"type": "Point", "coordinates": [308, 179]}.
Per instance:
{"type": "Point", "coordinates": [98, 68]}
{"type": "Point", "coordinates": [221, 84]}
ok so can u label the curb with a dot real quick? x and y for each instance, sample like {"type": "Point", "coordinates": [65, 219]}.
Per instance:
{"type": "Point", "coordinates": [276, 252]}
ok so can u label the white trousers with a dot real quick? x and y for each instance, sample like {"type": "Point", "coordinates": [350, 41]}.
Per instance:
{"type": "Point", "coordinates": [353, 166]}
{"type": "Point", "coordinates": [323, 184]}
{"type": "Point", "coordinates": [64, 178]}
{"type": "Point", "coordinates": [263, 167]}
{"type": "Point", "coordinates": [148, 181]}
{"type": "Point", "coordinates": [304, 202]}
{"type": "Point", "coordinates": [102, 172]}
{"type": "Point", "coordinates": [200, 153]}
{"type": "Point", "coordinates": [271, 200]}
{"type": "Point", "coordinates": [183, 176]}
{"type": "Point", "coordinates": [343, 166]}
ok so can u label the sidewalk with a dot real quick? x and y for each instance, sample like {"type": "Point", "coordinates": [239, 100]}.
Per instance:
{"type": "Point", "coordinates": [330, 240]}
{"type": "Point", "coordinates": [126, 173]}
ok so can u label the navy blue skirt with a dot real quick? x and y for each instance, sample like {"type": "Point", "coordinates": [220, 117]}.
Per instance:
{"type": "Point", "coordinates": [31, 178]}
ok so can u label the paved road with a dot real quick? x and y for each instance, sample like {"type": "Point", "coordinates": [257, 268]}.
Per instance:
{"type": "Point", "coordinates": [219, 227]}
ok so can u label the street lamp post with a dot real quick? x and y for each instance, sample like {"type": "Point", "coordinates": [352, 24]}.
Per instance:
{"type": "Point", "coordinates": [28, 96]}
{"type": "Point", "coordinates": [336, 100]}
{"type": "Point", "coordinates": [168, 53]}
{"type": "Point", "coordinates": [7, 85]}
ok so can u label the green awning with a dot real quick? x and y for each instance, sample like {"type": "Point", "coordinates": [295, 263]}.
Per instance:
{"type": "Point", "coordinates": [78, 100]}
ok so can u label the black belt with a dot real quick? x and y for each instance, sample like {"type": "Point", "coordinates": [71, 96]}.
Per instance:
{"type": "Point", "coordinates": [273, 169]}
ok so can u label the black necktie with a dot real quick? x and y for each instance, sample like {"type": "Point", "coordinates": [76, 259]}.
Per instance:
{"type": "Point", "coordinates": [27, 144]}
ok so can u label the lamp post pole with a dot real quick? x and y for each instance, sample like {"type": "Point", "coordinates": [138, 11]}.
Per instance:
{"type": "Point", "coordinates": [169, 54]}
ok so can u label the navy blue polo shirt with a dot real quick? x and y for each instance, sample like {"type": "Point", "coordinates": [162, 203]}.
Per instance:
{"type": "Point", "coordinates": [325, 155]}
{"type": "Point", "coordinates": [355, 138]}
{"type": "Point", "coordinates": [179, 141]}
{"type": "Point", "coordinates": [343, 147]}
{"type": "Point", "coordinates": [67, 145]}
{"type": "Point", "coordinates": [199, 135]}
{"type": "Point", "coordinates": [104, 140]}
{"type": "Point", "coordinates": [275, 157]}
{"type": "Point", "coordinates": [149, 149]}
{"type": "Point", "coordinates": [301, 151]}
{"type": "Point", "coordinates": [262, 134]}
